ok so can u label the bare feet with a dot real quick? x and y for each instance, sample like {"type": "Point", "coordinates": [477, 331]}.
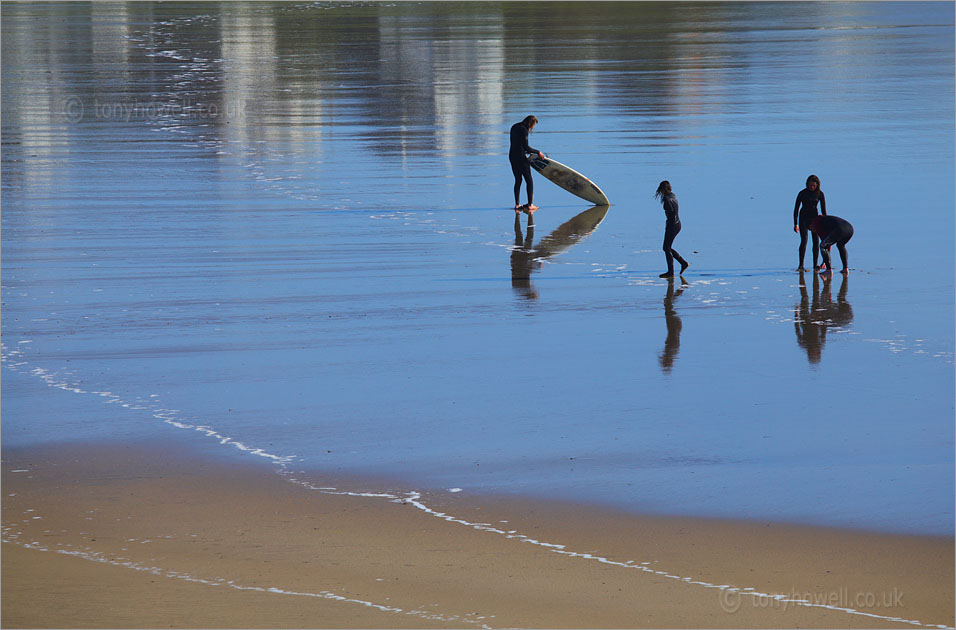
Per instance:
{"type": "Point", "coordinates": [845, 271]}
{"type": "Point", "coordinates": [683, 267]}
{"type": "Point", "coordinates": [667, 274]}
{"type": "Point", "coordinates": [801, 268]}
{"type": "Point", "coordinates": [531, 208]}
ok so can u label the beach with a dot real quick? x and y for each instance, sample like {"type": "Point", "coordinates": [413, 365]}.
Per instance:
{"type": "Point", "coordinates": [135, 537]}
{"type": "Point", "coordinates": [277, 350]}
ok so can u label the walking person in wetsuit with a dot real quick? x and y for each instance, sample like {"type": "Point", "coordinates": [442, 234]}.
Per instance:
{"type": "Point", "coordinates": [671, 228]}
{"type": "Point", "coordinates": [804, 211]}
{"type": "Point", "coordinates": [518, 156]}
{"type": "Point", "coordinates": [832, 231]}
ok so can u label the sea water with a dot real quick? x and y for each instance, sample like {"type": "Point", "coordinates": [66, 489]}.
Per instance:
{"type": "Point", "coordinates": [285, 230]}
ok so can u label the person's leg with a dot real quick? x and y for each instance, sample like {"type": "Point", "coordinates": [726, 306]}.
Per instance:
{"type": "Point", "coordinates": [841, 246]}
{"type": "Point", "coordinates": [825, 250]}
{"type": "Point", "coordinates": [803, 246]}
{"type": "Point", "coordinates": [669, 235]}
{"type": "Point", "coordinates": [529, 183]}
{"type": "Point", "coordinates": [683, 263]}
{"type": "Point", "coordinates": [516, 169]}
{"type": "Point", "coordinates": [816, 251]}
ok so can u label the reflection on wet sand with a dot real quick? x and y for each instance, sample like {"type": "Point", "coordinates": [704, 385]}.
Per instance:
{"type": "Point", "coordinates": [814, 315]}
{"type": "Point", "coordinates": [674, 326]}
{"type": "Point", "coordinates": [522, 260]}
{"type": "Point", "coordinates": [525, 257]}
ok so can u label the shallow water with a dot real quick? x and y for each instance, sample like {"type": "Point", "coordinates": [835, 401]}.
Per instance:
{"type": "Point", "coordinates": [287, 227]}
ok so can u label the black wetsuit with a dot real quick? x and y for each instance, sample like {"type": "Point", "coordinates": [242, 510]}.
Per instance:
{"type": "Point", "coordinates": [518, 156]}
{"type": "Point", "coordinates": [833, 231]}
{"type": "Point", "coordinates": [804, 211]}
{"type": "Point", "coordinates": [671, 230]}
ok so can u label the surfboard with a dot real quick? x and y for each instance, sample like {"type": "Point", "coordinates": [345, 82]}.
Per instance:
{"type": "Point", "coordinates": [569, 179]}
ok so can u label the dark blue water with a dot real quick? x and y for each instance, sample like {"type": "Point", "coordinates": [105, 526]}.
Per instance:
{"type": "Point", "coordinates": [287, 228]}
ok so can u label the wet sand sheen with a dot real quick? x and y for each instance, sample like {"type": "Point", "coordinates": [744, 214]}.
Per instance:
{"type": "Point", "coordinates": [147, 539]}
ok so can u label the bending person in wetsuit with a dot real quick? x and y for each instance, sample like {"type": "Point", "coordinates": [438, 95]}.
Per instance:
{"type": "Point", "coordinates": [804, 211]}
{"type": "Point", "coordinates": [832, 231]}
{"type": "Point", "coordinates": [671, 228]}
{"type": "Point", "coordinates": [518, 156]}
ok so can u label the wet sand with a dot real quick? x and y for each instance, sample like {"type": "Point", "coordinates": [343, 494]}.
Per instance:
{"type": "Point", "coordinates": [149, 539]}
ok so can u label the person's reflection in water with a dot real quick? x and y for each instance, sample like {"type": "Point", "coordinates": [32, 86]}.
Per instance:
{"type": "Point", "coordinates": [811, 332]}
{"type": "Point", "coordinates": [674, 326]}
{"type": "Point", "coordinates": [523, 260]}
{"type": "Point", "coordinates": [814, 315]}
{"type": "Point", "coordinates": [836, 314]}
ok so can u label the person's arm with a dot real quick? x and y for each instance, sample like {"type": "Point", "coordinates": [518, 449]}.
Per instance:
{"type": "Point", "coordinates": [823, 204]}
{"type": "Point", "coordinates": [526, 147]}
{"type": "Point", "coordinates": [796, 213]}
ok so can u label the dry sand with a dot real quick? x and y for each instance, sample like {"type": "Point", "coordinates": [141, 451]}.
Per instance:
{"type": "Point", "coordinates": [132, 537]}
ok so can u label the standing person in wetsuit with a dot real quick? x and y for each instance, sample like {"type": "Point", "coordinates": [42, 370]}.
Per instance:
{"type": "Point", "coordinates": [518, 156]}
{"type": "Point", "coordinates": [671, 228]}
{"type": "Point", "coordinates": [832, 231]}
{"type": "Point", "coordinates": [804, 211]}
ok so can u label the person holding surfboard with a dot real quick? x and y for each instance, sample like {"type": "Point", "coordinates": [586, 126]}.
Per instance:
{"type": "Point", "coordinates": [671, 228]}
{"type": "Point", "coordinates": [518, 156]}
{"type": "Point", "coordinates": [832, 231]}
{"type": "Point", "coordinates": [804, 212]}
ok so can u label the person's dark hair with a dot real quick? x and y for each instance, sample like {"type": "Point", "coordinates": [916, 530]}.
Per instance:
{"type": "Point", "coordinates": [662, 189]}
{"type": "Point", "coordinates": [813, 178]}
{"type": "Point", "coordinates": [529, 121]}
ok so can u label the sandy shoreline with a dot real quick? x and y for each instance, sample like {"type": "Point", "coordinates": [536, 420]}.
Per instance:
{"type": "Point", "coordinates": [132, 537]}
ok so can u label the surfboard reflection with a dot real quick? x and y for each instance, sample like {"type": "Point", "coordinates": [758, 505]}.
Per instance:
{"type": "Point", "coordinates": [815, 314]}
{"type": "Point", "coordinates": [525, 257]}
{"type": "Point", "coordinates": [672, 342]}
